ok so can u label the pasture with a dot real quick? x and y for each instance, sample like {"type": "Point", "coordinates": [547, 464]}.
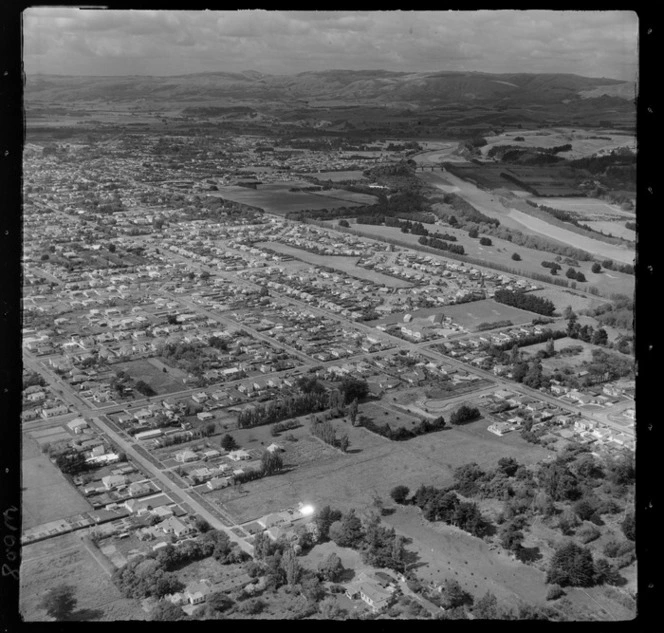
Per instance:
{"type": "Point", "coordinates": [46, 494]}
{"type": "Point", "coordinates": [65, 560]}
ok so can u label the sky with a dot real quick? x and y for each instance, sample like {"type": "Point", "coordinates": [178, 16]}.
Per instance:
{"type": "Point", "coordinates": [69, 41]}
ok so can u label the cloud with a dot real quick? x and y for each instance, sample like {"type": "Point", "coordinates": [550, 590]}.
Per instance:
{"type": "Point", "coordinates": [602, 43]}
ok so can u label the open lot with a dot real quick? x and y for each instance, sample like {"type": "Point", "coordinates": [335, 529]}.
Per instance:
{"type": "Point", "coordinates": [338, 262]}
{"type": "Point", "coordinates": [560, 362]}
{"type": "Point", "coordinates": [47, 495]}
{"type": "Point", "coordinates": [65, 560]}
{"type": "Point", "coordinates": [151, 373]}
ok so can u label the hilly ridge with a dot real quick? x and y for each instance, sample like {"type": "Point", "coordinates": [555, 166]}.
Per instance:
{"type": "Point", "coordinates": [393, 89]}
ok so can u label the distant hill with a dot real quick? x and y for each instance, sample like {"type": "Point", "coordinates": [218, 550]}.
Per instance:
{"type": "Point", "coordinates": [365, 87]}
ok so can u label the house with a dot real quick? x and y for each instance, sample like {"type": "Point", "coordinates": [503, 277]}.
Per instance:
{"type": "Point", "coordinates": [219, 482]}
{"type": "Point", "coordinates": [370, 591]}
{"type": "Point", "coordinates": [138, 489]}
{"type": "Point", "coordinates": [113, 481]}
{"type": "Point", "coordinates": [275, 448]}
{"type": "Point", "coordinates": [210, 454]}
{"type": "Point", "coordinates": [499, 428]}
{"type": "Point", "coordinates": [185, 456]}
{"type": "Point", "coordinates": [197, 592]}
{"type": "Point", "coordinates": [238, 455]}
{"type": "Point", "coordinates": [173, 525]}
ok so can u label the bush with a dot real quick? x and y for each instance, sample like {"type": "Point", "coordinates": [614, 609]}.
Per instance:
{"type": "Point", "coordinates": [485, 241]}
{"type": "Point", "coordinates": [516, 257]}
{"type": "Point", "coordinates": [588, 533]}
{"type": "Point", "coordinates": [596, 268]}
{"type": "Point", "coordinates": [554, 592]}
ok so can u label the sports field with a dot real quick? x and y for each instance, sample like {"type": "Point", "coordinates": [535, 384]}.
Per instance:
{"type": "Point", "coordinates": [470, 315]}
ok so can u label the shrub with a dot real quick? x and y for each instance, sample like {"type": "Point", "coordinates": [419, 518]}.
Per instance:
{"type": "Point", "coordinates": [554, 592]}
{"type": "Point", "coordinates": [516, 257]}
{"type": "Point", "coordinates": [588, 533]}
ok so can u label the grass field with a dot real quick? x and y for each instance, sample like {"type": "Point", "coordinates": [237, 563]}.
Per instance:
{"type": "Point", "coordinates": [151, 373]}
{"type": "Point", "coordinates": [375, 465]}
{"type": "Point", "coordinates": [470, 315]}
{"type": "Point", "coordinates": [47, 495]}
{"type": "Point", "coordinates": [277, 199]}
{"type": "Point", "coordinates": [615, 228]}
{"type": "Point", "coordinates": [336, 176]}
{"type": "Point", "coordinates": [65, 560]}
{"type": "Point", "coordinates": [563, 297]}
{"type": "Point", "coordinates": [580, 140]}
{"type": "Point", "coordinates": [446, 552]}
{"type": "Point", "coordinates": [585, 206]}
{"type": "Point", "coordinates": [338, 262]}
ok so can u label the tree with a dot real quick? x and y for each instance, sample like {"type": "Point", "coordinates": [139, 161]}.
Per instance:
{"type": "Point", "coordinates": [516, 257]}
{"type": "Point", "coordinates": [344, 223]}
{"type": "Point", "coordinates": [454, 595]}
{"type": "Point", "coordinates": [464, 414]}
{"type": "Point", "coordinates": [354, 389]}
{"type": "Point", "coordinates": [350, 532]}
{"type": "Point", "coordinates": [331, 568]}
{"type": "Point", "coordinates": [600, 337]}
{"type": "Point", "coordinates": [352, 411]}
{"type": "Point", "coordinates": [291, 567]}
{"type": "Point", "coordinates": [508, 466]}
{"type": "Point", "coordinates": [571, 565]}
{"type": "Point", "coordinates": [324, 518]}
{"type": "Point", "coordinates": [628, 527]}
{"type": "Point", "coordinates": [473, 233]}
{"type": "Point", "coordinates": [59, 602]}
{"type": "Point", "coordinates": [228, 443]}
{"type": "Point", "coordinates": [596, 268]}
{"type": "Point", "coordinates": [486, 608]}
{"type": "Point", "coordinates": [271, 463]}
{"type": "Point", "coordinates": [167, 612]}
{"type": "Point", "coordinates": [399, 494]}
{"type": "Point", "coordinates": [555, 592]}
{"type": "Point", "coordinates": [606, 573]}
{"type": "Point", "coordinates": [485, 241]}
{"type": "Point", "coordinates": [202, 525]}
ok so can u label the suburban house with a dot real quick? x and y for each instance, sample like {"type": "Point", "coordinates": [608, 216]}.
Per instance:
{"type": "Point", "coordinates": [113, 481]}
{"type": "Point", "coordinates": [370, 591]}
{"type": "Point", "coordinates": [77, 425]}
{"type": "Point", "coordinates": [197, 592]}
{"type": "Point", "coordinates": [238, 455]}
{"type": "Point", "coordinates": [173, 525]}
{"type": "Point", "coordinates": [185, 456]}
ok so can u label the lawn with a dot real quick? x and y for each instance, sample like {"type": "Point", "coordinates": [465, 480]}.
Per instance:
{"type": "Point", "coordinates": [563, 297]}
{"type": "Point", "coordinates": [560, 362]}
{"type": "Point", "coordinates": [151, 372]}
{"type": "Point", "coordinates": [65, 560]}
{"type": "Point", "coordinates": [47, 495]}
